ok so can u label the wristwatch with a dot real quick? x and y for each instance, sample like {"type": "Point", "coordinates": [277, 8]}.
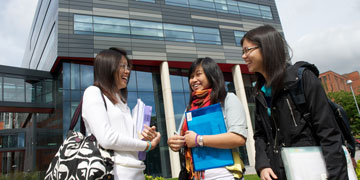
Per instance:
{"type": "Point", "coordinates": [201, 142]}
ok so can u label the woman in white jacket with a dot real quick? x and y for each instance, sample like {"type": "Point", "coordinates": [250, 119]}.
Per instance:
{"type": "Point", "coordinates": [113, 126]}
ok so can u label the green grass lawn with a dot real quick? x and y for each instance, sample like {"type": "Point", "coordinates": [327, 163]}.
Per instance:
{"type": "Point", "coordinates": [251, 177]}
{"type": "Point", "coordinates": [247, 177]}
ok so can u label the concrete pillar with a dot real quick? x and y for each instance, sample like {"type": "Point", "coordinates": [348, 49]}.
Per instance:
{"type": "Point", "coordinates": [240, 92]}
{"type": "Point", "coordinates": [169, 116]}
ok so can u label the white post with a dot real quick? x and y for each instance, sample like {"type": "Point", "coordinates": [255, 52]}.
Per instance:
{"type": "Point", "coordinates": [357, 107]}
{"type": "Point", "coordinates": [240, 92]}
{"type": "Point", "coordinates": [169, 116]}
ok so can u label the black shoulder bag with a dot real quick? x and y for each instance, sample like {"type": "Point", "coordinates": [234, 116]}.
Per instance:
{"type": "Point", "coordinates": [81, 157]}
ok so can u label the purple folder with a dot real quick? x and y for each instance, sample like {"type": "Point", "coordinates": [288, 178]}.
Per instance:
{"type": "Point", "coordinates": [147, 119]}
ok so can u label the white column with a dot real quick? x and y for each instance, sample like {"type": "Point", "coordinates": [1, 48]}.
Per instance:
{"type": "Point", "coordinates": [240, 92]}
{"type": "Point", "coordinates": [169, 116]}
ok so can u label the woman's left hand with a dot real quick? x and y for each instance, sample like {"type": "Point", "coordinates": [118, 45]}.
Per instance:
{"type": "Point", "coordinates": [190, 139]}
{"type": "Point", "coordinates": [149, 133]}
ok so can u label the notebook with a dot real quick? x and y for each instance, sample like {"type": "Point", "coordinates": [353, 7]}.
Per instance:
{"type": "Point", "coordinates": [308, 163]}
{"type": "Point", "coordinates": [142, 115]}
{"type": "Point", "coordinates": [208, 121]}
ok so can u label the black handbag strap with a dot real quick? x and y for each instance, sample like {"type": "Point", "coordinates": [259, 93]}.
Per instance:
{"type": "Point", "coordinates": [77, 113]}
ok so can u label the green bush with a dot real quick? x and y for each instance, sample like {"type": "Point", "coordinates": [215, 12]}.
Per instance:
{"type": "Point", "coordinates": [148, 177]}
{"type": "Point", "coordinates": [21, 176]}
{"type": "Point", "coordinates": [357, 170]}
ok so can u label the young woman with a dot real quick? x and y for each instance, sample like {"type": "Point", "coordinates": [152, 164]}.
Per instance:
{"type": "Point", "coordinates": [277, 121]}
{"type": "Point", "coordinates": [113, 126]}
{"type": "Point", "coordinates": [207, 86]}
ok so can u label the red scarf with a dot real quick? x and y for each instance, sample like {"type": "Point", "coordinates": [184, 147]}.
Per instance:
{"type": "Point", "coordinates": [199, 99]}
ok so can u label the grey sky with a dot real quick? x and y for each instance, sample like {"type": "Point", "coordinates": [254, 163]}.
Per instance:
{"type": "Point", "coordinates": [16, 17]}
{"type": "Point", "coordinates": [324, 32]}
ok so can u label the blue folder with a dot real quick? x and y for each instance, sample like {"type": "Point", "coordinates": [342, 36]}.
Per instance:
{"type": "Point", "coordinates": [208, 121]}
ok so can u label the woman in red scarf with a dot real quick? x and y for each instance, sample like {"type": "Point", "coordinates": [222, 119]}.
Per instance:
{"type": "Point", "coordinates": [207, 86]}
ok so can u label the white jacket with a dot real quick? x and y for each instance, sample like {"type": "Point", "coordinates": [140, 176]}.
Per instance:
{"type": "Point", "coordinates": [114, 129]}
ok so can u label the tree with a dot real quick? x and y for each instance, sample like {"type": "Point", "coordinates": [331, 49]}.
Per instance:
{"type": "Point", "coordinates": [346, 100]}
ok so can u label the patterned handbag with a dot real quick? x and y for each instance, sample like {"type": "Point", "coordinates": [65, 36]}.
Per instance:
{"type": "Point", "coordinates": [81, 157]}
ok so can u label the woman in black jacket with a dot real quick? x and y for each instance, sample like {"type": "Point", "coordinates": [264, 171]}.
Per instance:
{"type": "Point", "coordinates": [278, 123]}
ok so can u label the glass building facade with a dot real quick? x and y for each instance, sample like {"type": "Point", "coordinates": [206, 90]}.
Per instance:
{"type": "Point", "coordinates": [30, 127]}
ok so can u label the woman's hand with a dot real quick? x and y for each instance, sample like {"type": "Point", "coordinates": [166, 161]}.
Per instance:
{"type": "Point", "coordinates": [190, 139]}
{"type": "Point", "coordinates": [149, 133]}
{"type": "Point", "coordinates": [176, 142]}
{"type": "Point", "coordinates": [267, 174]}
{"type": "Point", "coordinates": [155, 141]}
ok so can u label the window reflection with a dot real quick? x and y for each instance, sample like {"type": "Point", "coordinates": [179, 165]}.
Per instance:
{"type": "Point", "coordinates": [14, 89]}
{"type": "Point", "coordinates": [184, 3]}
{"type": "Point", "coordinates": [75, 76]}
{"type": "Point", "coordinates": [176, 84]}
{"type": "Point", "coordinates": [12, 161]}
{"type": "Point", "coordinates": [238, 36]}
{"type": "Point", "coordinates": [11, 120]}
{"type": "Point", "coordinates": [148, 98]}
{"type": "Point", "coordinates": [226, 6]}
{"type": "Point", "coordinates": [105, 26]}
{"type": "Point", "coordinates": [207, 35]}
{"type": "Point", "coordinates": [151, 1]}
{"type": "Point", "coordinates": [87, 76]}
{"type": "Point", "coordinates": [83, 18]}
{"type": "Point", "coordinates": [144, 85]}
{"type": "Point", "coordinates": [102, 28]}
{"type": "Point", "coordinates": [132, 82]}
{"type": "Point", "coordinates": [179, 106]}
{"type": "Point", "coordinates": [144, 81]}
{"type": "Point", "coordinates": [110, 21]}
{"type": "Point", "coordinates": [30, 92]}
{"type": "Point", "coordinates": [66, 75]}
{"type": "Point", "coordinates": [83, 26]}
{"type": "Point", "coordinates": [202, 4]}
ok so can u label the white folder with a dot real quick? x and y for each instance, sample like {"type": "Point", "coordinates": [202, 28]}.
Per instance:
{"type": "Point", "coordinates": [307, 163]}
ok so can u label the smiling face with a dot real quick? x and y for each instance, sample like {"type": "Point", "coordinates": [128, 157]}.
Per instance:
{"type": "Point", "coordinates": [198, 80]}
{"type": "Point", "coordinates": [122, 74]}
{"type": "Point", "coordinates": [253, 57]}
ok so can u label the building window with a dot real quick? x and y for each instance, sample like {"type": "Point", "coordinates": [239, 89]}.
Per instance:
{"type": "Point", "coordinates": [83, 24]}
{"type": "Point", "coordinates": [180, 92]}
{"type": "Point", "coordinates": [238, 36]}
{"type": "Point", "coordinates": [233, 7]}
{"type": "Point", "coordinates": [255, 10]}
{"type": "Point", "coordinates": [207, 35]}
{"type": "Point", "coordinates": [221, 6]}
{"type": "Point", "coordinates": [14, 89]}
{"type": "Point", "coordinates": [202, 4]}
{"type": "Point", "coordinates": [111, 26]}
{"type": "Point", "coordinates": [178, 33]}
{"type": "Point", "coordinates": [146, 30]}
{"type": "Point", "coordinates": [226, 6]}
{"type": "Point", "coordinates": [183, 3]}
{"type": "Point", "coordinates": [145, 84]}
{"type": "Point", "coordinates": [265, 12]}
{"type": "Point", "coordinates": [105, 26]}
{"type": "Point", "coordinates": [150, 1]}
{"type": "Point", "coordinates": [1, 85]}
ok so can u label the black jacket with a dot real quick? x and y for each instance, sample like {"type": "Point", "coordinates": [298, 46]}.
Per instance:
{"type": "Point", "coordinates": [287, 128]}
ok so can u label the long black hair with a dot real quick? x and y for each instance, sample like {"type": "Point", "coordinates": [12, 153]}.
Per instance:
{"type": "Point", "coordinates": [273, 49]}
{"type": "Point", "coordinates": [215, 77]}
{"type": "Point", "coordinates": [106, 65]}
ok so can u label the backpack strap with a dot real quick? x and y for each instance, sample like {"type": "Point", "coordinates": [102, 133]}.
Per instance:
{"type": "Point", "coordinates": [298, 95]}
{"type": "Point", "coordinates": [78, 113]}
